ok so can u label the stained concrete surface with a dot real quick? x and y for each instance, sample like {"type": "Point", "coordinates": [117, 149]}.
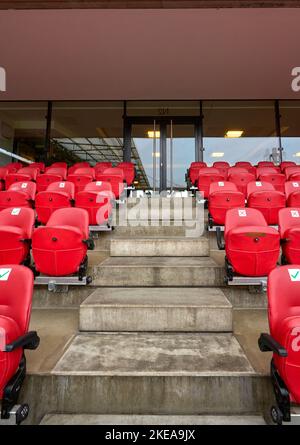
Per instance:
{"type": "Point", "coordinates": [154, 354]}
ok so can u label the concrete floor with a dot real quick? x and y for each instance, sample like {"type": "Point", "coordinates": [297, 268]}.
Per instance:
{"type": "Point", "coordinates": [58, 327]}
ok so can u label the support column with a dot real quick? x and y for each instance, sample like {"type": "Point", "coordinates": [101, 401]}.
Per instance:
{"type": "Point", "coordinates": [48, 131]}
{"type": "Point", "coordinates": [163, 156]}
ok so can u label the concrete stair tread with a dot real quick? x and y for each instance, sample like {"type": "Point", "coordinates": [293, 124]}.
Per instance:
{"type": "Point", "coordinates": [156, 309]}
{"type": "Point", "coordinates": [154, 354]}
{"type": "Point", "coordinates": [111, 419]}
{"type": "Point", "coordinates": [159, 262]}
{"type": "Point", "coordinates": [163, 297]}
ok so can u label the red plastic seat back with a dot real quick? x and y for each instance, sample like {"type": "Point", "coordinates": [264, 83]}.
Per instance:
{"type": "Point", "coordinates": [241, 180]}
{"type": "Point", "coordinates": [27, 187]}
{"type": "Point", "coordinates": [267, 202]}
{"type": "Point", "coordinates": [40, 165]}
{"type": "Point", "coordinates": [222, 186]}
{"type": "Point", "coordinates": [288, 218]}
{"type": "Point", "coordinates": [101, 166]}
{"type": "Point", "coordinates": [43, 181]}
{"type": "Point", "coordinates": [62, 186]}
{"type": "Point", "coordinates": [289, 171]}
{"type": "Point", "coordinates": [283, 165]}
{"type": "Point", "coordinates": [276, 179]}
{"type": "Point", "coordinates": [12, 198]}
{"type": "Point", "coordinates": [63, 165]}
{"type": "Point", "coordinates": [247, 166]}
{"type": "Point", "coordinates": [221, 199]}
{"type": "Point", "coordinates": [265, 164]}
{"type": "Point", "coordinates": [97, 204]}
{"type": "Point", "coordinates": [116, 182]}
{"type": "Point", "coordinates": [194, 169]}
{"type": "Point", "coordinates": [284, 322]}
{"type": "Point", "coordinates": [292, 192]}
{"type": "Point", "coordinates": [3, 173]}
{"type": "Point", "coordinates": [85, 171]}
{"type": "Point", "coordinates": [129, 171]}
{"type": "Point", "coordinates": [58, 171]}
{"type": "Point", "coordinates": [11, 178]}
{"type": "Point", "coordinates": [58, 248]}
{"type": "Point", "coordinates": [74, 167]}
{"type": "Point", "coordinates": [16, 225]}
{"type": "Point", "coordinates": [240, 217]}
{"type": "Point", "coordinates": [16, 287]}
{"type": "Point", "coordinates": [13, 167]}
{"type": "Point", "coordinates": [264, 170]}
{"type": "Point", "coordinates": [31, 171]}
{"type": "Point", "coordinates": [207, 176]}
{"type": "Point", "coordinates": [258, 186]}
{"type": "Point", "coordinates": [98, 186]}
{"type": "Point", "coordinates": [79, 181]}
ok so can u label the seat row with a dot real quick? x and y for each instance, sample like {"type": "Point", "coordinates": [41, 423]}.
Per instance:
{"type": "Point", "coordinates": [252, 247]}
{"type": "Point", "coordinates": [58, 249]}
{"type": "Point", "coordinates": [261, 195]}
{"type": "Point", "coordinates": [96, 198]}
{"type": "Point", "coordinates": [79, 174]}
{"type": "Point", "coordinates": [202, 177]}
{"type": "Point", "coordinates": [225, 168]}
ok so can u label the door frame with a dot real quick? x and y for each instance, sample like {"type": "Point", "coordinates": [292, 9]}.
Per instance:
{"type": "Point", "coordinates": [163, 122]}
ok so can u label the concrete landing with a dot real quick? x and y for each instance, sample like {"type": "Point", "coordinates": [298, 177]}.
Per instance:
{"type": "Point", "coordinates": [160, 247]}
{"type": "Point", "coordinates": [159, 271]}
{"type": "Point", "coordinates": [156, 309]}
{"type": "Point", "coordinates": [94, 419]}
{"type": "Point", "coordinates": [154, 354]}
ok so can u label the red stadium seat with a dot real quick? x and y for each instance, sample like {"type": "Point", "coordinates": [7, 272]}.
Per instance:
{"type": "Point", "coordinates": [292, 193]}
{"type": "Point", "coordinates": [13, 167]}
{"type": "Point", "coordinates": [222, 197]}
{"type": "Point", "coordinates": [26, 187]}
{"type": "Point", "coordinates": [58, 165]}
{"type": "Point", "coordinates": [39, 165]}
{"type": "Point", "coordinates": [115, 176]}
{"type": "Point", "coordinates": [283, 340]}
{"type": "Point", "coordinates": [58, 195]}
{"type": "Point", "coordinates": [265, 164]}
{"type": "Point", "coordinates": [264, 170]}
{"type": "Point", "coordinates": [289, 229]}
{"type": "Point", "coordinates": [263, 197]}
{"type": "Point", "coordinates": [246, 165]}
{"type": "Point", "coordinates": [16, 225]}
{"type": "Point", "coordinates": [11, 178]}
{"type": "Point", "coordinates": [222, 166]}
{"type": "Point", "coordinates": [31, 171]}
{"type": "Point", "coordinates": [74, 167]}
{"type": "Point", "coordinates": [240, 178]}
{"type": "Point", "coordinates": [101, 166]}
{"type": "Point", "coordinates": [207, 176]}
{"type": "Point", "coordinates": [283, 165]}
{"type": "Point", "coordinates": [96, 199]}
{"type": "Point", "coordinates": [291, 171]}
{"type": "Point", "coordinates": [129, 171]}
{"type": "Point", "coordinates": [193, 172]}
{"type": "Point", "coordinates": [276, 179]}
{"type": "Point", "coordinates": [19, 194]}
{"type": "Point", "coordinates": [53, 174]}
{"type": "Point", "coordinates": [60, 248]}
{"type": "Point", "coordinates": [252, 248]}
{"type": "Point", "coordinates": [80, 177]}
{"type": "Point", "coordinates": [16, 288]}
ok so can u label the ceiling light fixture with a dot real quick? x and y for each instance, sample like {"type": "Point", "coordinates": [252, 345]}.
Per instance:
{"type": "Point", "coordinates": [234, 133]}
{"type": "Point", "coordinates": [217, 154]}
{"type": "Point", "coordinates": [150, 134]}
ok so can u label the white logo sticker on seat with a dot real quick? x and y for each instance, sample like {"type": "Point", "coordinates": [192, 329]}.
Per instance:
{"type": "Point", "coordinates": [62, 185]}
{"type": "Point", "coordinates": [295, 213]}
{"type": "Point", "coordinates": [100, 183]}
{"type": "Point", "coordinates": [15, 212]}
{"type": "Point", "coordinates": [242, 213]}
{"type": "Point", "coordinates": [295, 184]}
{"type": "Point", "coordinates": [24, 185]}
{"type": "Point", "coordinates": [4, 274]}
{"type": "Point", "coordinates": [258, 184]}
{"type": "Point", "coordinates": [294, 274]}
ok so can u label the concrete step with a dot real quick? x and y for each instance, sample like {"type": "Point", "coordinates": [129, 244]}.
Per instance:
{"type": "Point", "coordinates": [149, 373]}
{"type": "Point", "coordinates": [98, 419]}
{"type": "Point", "coordinates": [157, 272]}
{"type": "Point", "coordinates": [156, 309]}
{"type": "Point", "coordinates": [160, 247]}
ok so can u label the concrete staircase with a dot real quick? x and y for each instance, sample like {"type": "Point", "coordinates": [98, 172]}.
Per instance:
{"type": "Point", "coordinates": [155, 338]}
